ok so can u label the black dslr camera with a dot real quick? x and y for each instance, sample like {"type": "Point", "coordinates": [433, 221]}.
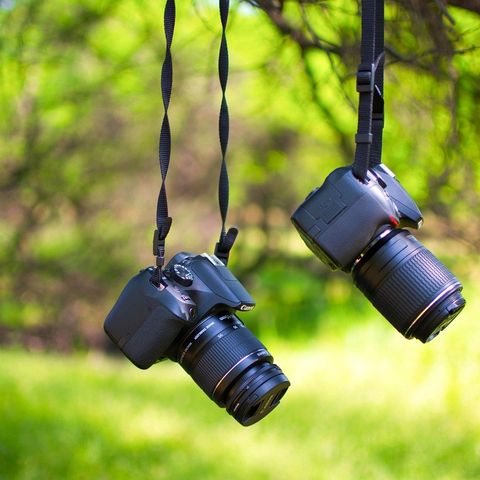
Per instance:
{"type": "Point", "coordinates": [356, 226]}
{"type": "Point", "coordinates": [189, 317]}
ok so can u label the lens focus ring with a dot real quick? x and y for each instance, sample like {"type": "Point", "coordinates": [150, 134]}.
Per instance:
{"type": "Point", "coordinates": [223, 352]}
{"type": "Point", "coordinates": [411, 287]}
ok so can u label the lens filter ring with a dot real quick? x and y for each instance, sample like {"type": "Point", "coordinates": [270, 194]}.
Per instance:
{"type": "Point", "coordinates": [440, 315]}
{"type": "Point", "coordinates": [257, 393]}
{"type": "Point", "coordinates": [436, 301]}
{"type": "Point", "coordinates": [244, 363]}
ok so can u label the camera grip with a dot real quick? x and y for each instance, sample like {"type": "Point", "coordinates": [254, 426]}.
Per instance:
{"type": "Point", "coordinates": [145, 320]}
{"type": "Point", "coordinates": [151, 341]}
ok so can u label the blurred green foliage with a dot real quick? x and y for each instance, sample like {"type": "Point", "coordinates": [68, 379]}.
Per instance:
{"type": "Point", "coordinates": [80, 111]}
{"type": "Point", "coordinates": [364, 404]}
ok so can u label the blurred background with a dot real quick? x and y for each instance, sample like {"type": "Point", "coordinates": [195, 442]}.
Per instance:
{"type": "Point", "coordinates": [80, 114]}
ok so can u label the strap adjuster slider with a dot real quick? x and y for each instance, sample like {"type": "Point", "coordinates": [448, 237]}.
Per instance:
{"type": "Point", "coordinates": [365, 78]}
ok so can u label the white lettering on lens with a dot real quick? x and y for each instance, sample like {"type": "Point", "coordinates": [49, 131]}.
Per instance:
{"type": "Point", "coordinates": [187, 348]}
{"type": "Point", "coordinates": [199, 333]}
{"type": "Point", "coordinates": [203, 330]}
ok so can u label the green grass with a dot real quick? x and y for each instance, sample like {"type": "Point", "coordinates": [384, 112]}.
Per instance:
{"type": "Point", "coordinates": [365, 404]}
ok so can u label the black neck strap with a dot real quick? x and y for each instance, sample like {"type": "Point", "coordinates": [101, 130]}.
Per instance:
{"type": "Point", "coordinates": [370, 80]}
{"type": "Point", "coordinates": [227, 239]}
{"type": "Point", "coordinates": [164, 222]}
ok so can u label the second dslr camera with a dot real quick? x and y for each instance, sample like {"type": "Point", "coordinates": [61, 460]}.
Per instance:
{"type": "Point", "coordinates": [356, 226]}
{"type": "Point", "coordinates": [188, 316]}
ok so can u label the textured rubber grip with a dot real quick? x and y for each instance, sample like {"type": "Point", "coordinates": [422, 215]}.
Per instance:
{"type": "Point", "coordinates": [404, 280]}
{"type": "Point", "coordinates": [219, 356]}
{"type": "Point", "coordinates": [411, 288]}
{"type": "Point", "coordinates": [151, 340]}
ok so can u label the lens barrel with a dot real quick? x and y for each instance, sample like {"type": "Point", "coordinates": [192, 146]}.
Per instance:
{"type": "Point", "coordinates": [232, 367]}
{"type": "Point", "coordinates": [408, 285]}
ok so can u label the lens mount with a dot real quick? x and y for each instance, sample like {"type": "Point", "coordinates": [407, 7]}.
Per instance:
{"type": "Point", "coordinates": [374, 246]}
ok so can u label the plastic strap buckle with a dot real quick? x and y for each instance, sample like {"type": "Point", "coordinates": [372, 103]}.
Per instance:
{"type": "Point", "coordinates": [366, 78]}
{"type": "Point", "coordinates": [159, 236]}
{"type": "Point", "coordinates": [364, 138]}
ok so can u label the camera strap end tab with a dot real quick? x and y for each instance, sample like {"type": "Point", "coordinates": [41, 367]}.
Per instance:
{"type": "Point", "coordinates": [378, 105]}
{"type": "Point", "coordinates": [225, 244]}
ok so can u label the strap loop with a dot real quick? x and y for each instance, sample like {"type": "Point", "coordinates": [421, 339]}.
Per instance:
{"type": "Point", "coordinates": [370, 73]}
{"type": "Point", "coordinates": [165, 143]}
{"type": "Point", "coordinates": [223, 247]}
{"type": "Point", "coordinates": [378, 119]}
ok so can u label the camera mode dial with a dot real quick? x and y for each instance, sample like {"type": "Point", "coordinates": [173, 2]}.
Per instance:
{"type": "Point", "coordinates": [181, 275]}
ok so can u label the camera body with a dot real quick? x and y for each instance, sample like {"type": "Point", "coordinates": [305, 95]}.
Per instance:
{"type": "Point", "coordinates": [147, 318]}
{"type": "Point", "coordinates": [358, 227]}
{"type": "Point", "coordinates": [339, 219]}
{"type": "Point", "coordinates": [188, 316]}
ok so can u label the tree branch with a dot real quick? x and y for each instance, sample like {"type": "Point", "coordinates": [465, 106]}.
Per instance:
{"type": "Point", "coordinates": [471, 5]}
{"type": "Point", "coordinates": [274, 10]}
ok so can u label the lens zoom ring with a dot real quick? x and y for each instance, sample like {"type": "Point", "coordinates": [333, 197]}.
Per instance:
{"type": "Point", "coordinates": [410, 288]}
{"type": "Point", "coordinates": [219, 356]}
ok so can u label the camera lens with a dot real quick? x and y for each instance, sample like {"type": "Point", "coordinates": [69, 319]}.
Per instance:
{"type": "Point", "coordinates": [232, 367]}
{"type": "Point", "coordinates": [408, 285]}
